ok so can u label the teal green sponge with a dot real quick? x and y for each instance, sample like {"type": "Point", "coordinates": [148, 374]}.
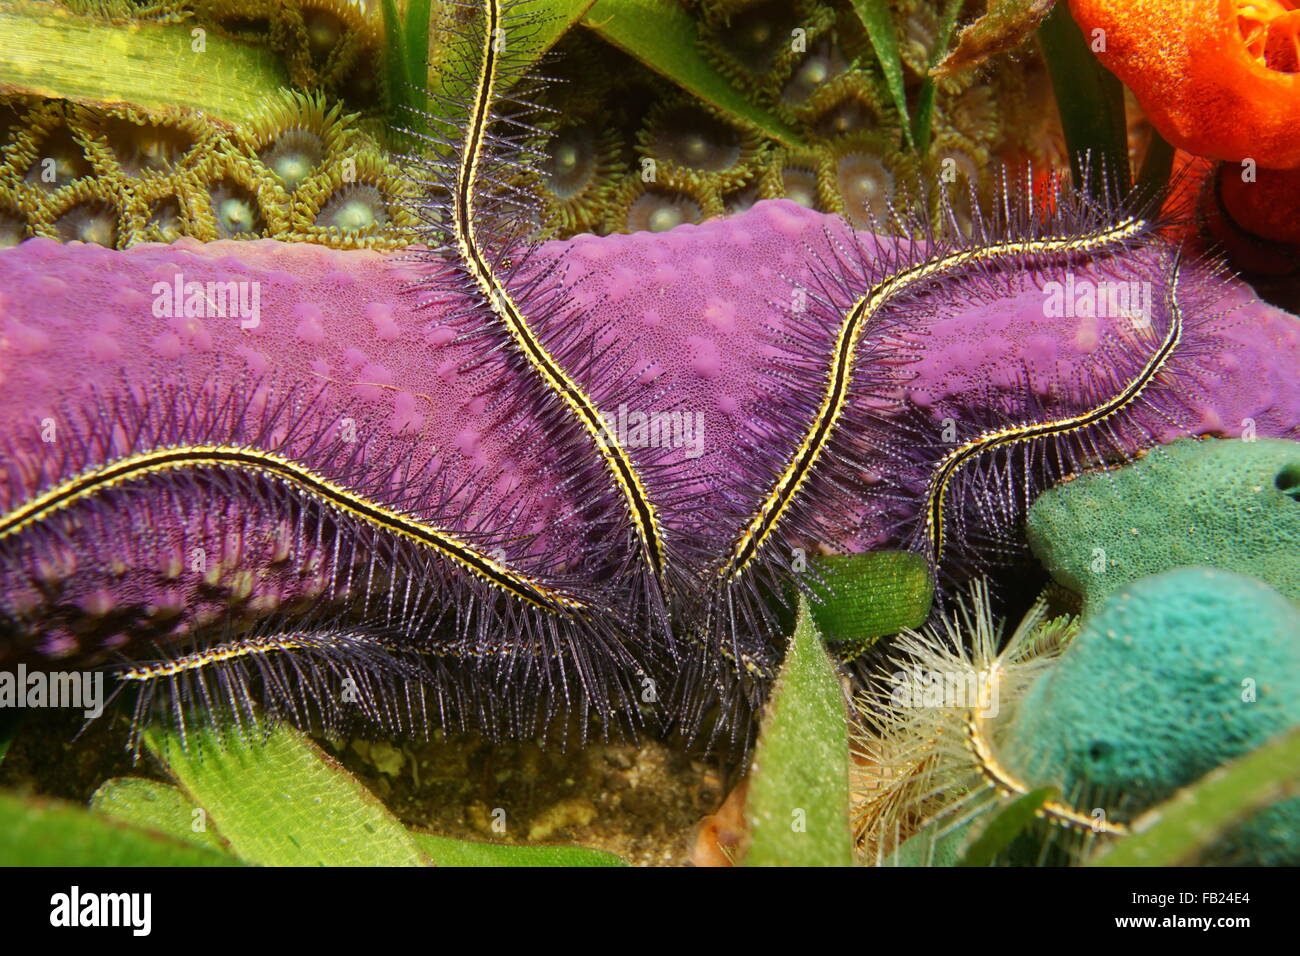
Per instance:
{"type": "Point", "coordinates": [1170, 677]}
{"type": "Point", "coordinates": [1229, 504]}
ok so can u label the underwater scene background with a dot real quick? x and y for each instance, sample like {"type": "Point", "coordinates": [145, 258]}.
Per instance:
{"type": "Point", "coordinates": [654, 432]}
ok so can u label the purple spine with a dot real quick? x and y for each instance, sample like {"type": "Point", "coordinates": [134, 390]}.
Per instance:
{"type": "Point", "coordinates": [331, 347]}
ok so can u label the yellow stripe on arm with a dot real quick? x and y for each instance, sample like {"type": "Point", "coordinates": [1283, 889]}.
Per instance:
{"type": "Point", "coordinates": [477, 263]}
{"type": "Point", "coordinates": [947, 469]}
{"type": "Point", "coordinates": [341, 499]}
{"type": "Point", "coordinates": [220, 654]}
{"type": "Point", "coordinates": [844, 360]}
{"type": "Point", "coordinates": [1009, 785]}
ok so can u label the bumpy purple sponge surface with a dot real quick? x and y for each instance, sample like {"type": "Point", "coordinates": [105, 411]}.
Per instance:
{"type": "Point", "coordinates": [92, 356]}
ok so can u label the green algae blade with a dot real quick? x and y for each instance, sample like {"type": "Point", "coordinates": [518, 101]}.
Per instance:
{"type": "Point", "coordinates": [406, 60]}
{"type": "Point", "coordinates": [53, 833]}
{"type": "Point", "coordinates": [162, 807]}
{"type": "Point", "coordinates": [526, 42]}
{"type": "Point", "coordinates": [1157, 165]}
{"type": "Point", "coordinates": [445, 851]}
{"type": "Point", "coordinates": [663, 36]}
{"type": "Point", "coordinates": [923, 117]}
{"type": "Point", "coordinates": [154, 805]}
{"type": "Point", "coordinates": [554, 18]}
{"type": "Point", "coordinates": [859, 598]}
{"type": "Point", "coordinates": [414, 65]}
{"type": "Point", "coordinates": [927, 848]}
{"type": "Point", "coordinates": [282, 801]}
{"type": "Point", "coordinates": [879, 24]}
{"type": "Point", "coordinates": [1090, 100]}
{"type": "Point", "coordinates": [1008, 824]}
{"type": "Point", "coordinates": [161, 68]}
{"type": "Point", "coordinates": [798, 804]}
{"type": "Point", "coordinates": [1176, 831]}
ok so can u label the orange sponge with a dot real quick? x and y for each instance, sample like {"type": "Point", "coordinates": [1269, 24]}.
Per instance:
{"type": "Point", "coordinates": [1266, 207]}
{"type": "Point", "coordinates": [1217, 77]}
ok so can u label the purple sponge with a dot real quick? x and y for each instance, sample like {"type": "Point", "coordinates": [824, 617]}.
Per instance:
{"type": "Point", "coordinates": [710, 337]}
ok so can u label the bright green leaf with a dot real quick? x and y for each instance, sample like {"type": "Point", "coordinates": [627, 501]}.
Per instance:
{"type": "Point", "coordinates": [930, 846]}
{"type": "Point", "coordinates": [663, 36]}
{"type": "Point", "coordinates": [50, 53]}
{"type": "Point", "coordinates": [924, 115]}
{"type": "Point", "coordinates": [52, 833]}
{"type": "Point", "coordinates": [413, 67]}
{"type": "Point", "coordinates": [798, 803]}
{"type": "Point", "coordinates": [445, 851]}
{"type": "Point", "coordinates": [1005, 826]}
{"type": "Point", "coordinates": [554, 18]}
{"type": "Point", "coordinates": [153, 805]}
{"type": "Point", "coordinates": [879, 24]}
{"type": "Point", "coordinates": [284, 802]}
{"type": "Point", "coordinates": [415, 39]}
{"type": "Point", "coordinates": [397, 64]}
